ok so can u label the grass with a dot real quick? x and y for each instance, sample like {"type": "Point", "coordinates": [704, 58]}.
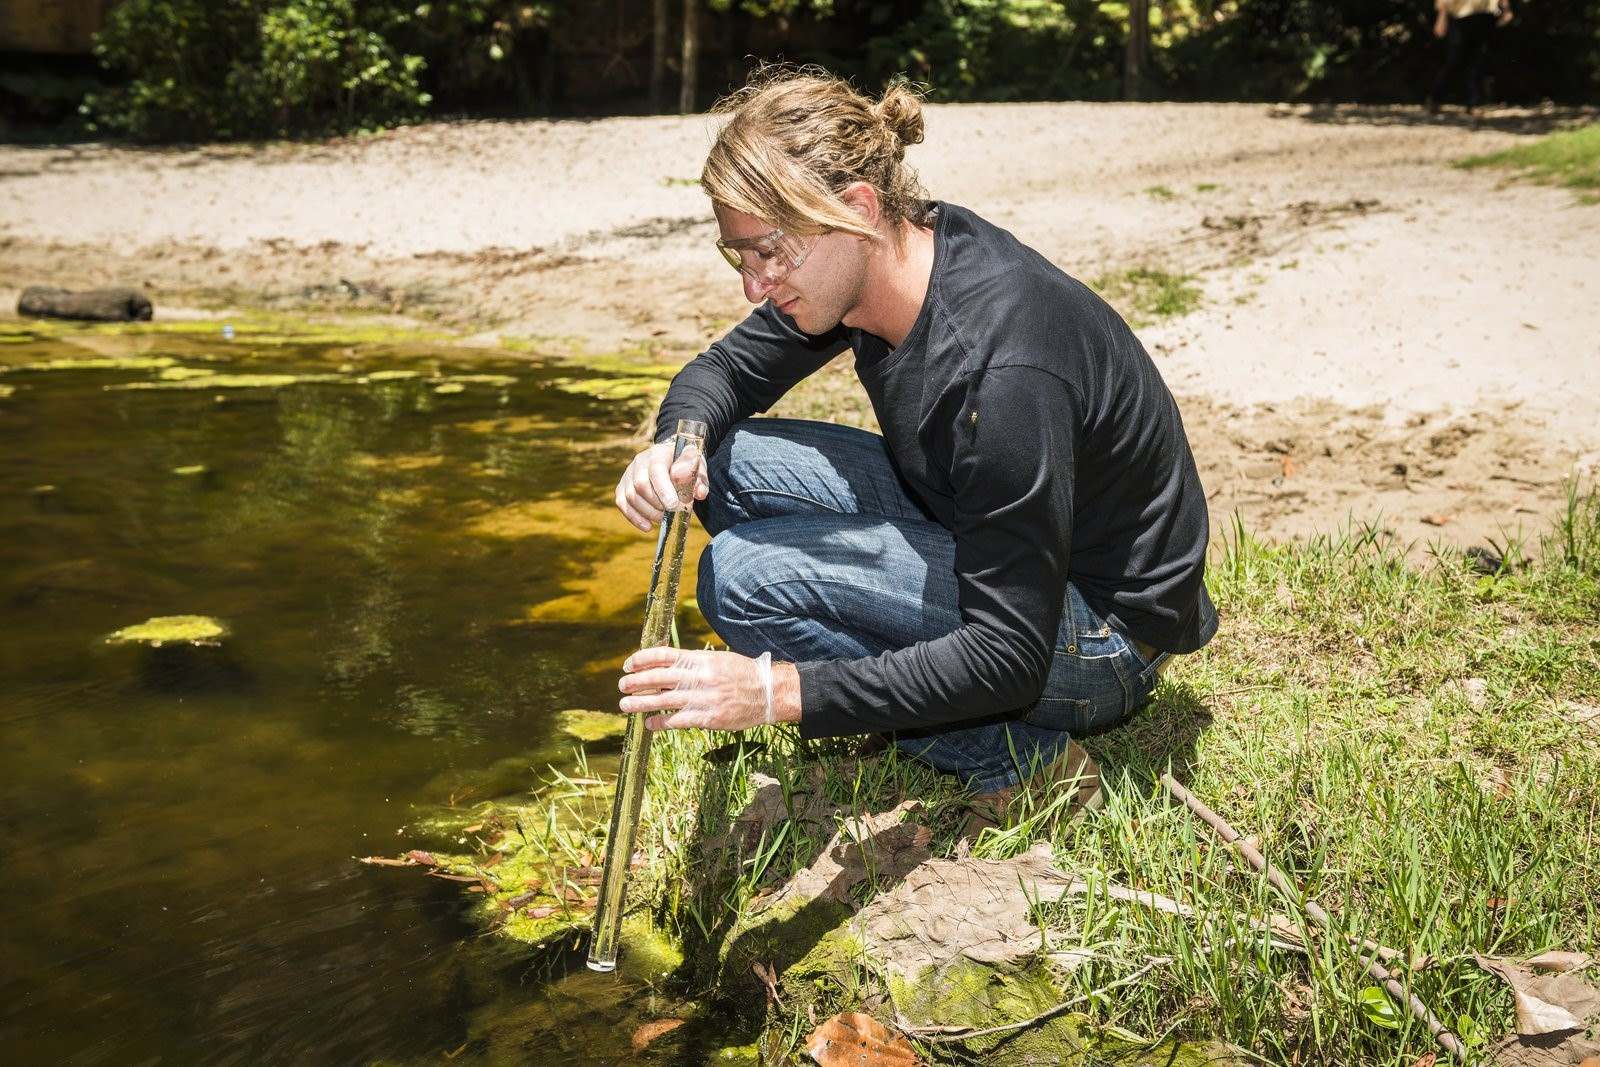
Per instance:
{"type": "Point", "coordinates": [1570, 158]}
{"type": "Point", "coordinates": [1145, 295]}
{"type": "Point", "coordinates": [1403, 741]}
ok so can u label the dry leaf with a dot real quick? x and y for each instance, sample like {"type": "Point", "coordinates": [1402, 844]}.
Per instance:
{"type": "Point", "coordinates": [1557, 961]}
{"type": "Point", "coordinates": [652, 1030]}
{"type": "Point", "coordinates": [1546, 1004]}
{"type": "Point", "coordinates": [978, 909]}
{"type": "Point", "coordinates": [1545, 1051]}
{"type": "Point", "coordinates": [855, 1039]}
{"type": "Point", "coordinates": [1427, 1059]}
{"type": "Point", "coordinates": [543, 912]}
{"type": "Point", "coordinates": [416, 855]}
{"type": "Point", "coordinates": [769, 978]}
{"type": "Point", "coordinates": [385, 861]}
{"type": "Point", "coordinates": [879, 843]}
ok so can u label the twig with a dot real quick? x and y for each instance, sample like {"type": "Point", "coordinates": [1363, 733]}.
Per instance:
{"type": "Point", "coordinates": [1447, 1040]}
{"type": "Point", "coordinates": [937, 1034]}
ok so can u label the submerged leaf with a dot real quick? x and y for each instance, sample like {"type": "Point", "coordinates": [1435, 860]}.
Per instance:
{"type": "Point", "coordinates": [855, 1039]}
{"type": "Point", "coordinates": [652, 1030]}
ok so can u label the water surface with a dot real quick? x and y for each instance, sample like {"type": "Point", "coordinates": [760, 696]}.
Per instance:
{"type": "Point", "coordinates": [415, 578]}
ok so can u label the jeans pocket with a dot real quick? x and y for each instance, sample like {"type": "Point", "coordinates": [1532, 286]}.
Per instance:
{"type": "Point", "coordinates": [1079, 717]}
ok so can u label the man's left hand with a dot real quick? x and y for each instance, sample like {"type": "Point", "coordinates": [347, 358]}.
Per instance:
{"type": "Point", "coordinates": [681, 688]}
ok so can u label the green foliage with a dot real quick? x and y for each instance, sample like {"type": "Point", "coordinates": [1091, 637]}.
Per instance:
{"type": "Point", "coordinates": [242, 68]}
{"type": "Point", "coordinates": [251, 68]}
{"type": "Point", "coordinates": [999, 49]}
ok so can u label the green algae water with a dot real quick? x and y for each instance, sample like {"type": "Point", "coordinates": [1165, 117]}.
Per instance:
{"type": "Point", "coordinates": [413, 569]}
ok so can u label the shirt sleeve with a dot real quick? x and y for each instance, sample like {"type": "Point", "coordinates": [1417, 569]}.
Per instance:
{"type": "Point", "coordinates": [747, 371]}
{"type": "Point", "coordinates": [1012, 473]}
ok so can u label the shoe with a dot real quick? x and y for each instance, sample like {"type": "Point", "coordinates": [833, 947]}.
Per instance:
{"type": "Point", "coordinates": [1074, 770]}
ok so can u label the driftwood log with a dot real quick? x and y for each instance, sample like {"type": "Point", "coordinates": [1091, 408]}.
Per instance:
{"type": "Point", "coordinates": [95, 305]}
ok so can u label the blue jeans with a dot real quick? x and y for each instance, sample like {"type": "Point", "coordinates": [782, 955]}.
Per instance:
{"type": "Point", "coordinates": [819, 552]}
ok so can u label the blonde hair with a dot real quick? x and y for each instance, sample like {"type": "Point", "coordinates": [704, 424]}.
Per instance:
{"type": "Point", "coordinates": [798, 137]}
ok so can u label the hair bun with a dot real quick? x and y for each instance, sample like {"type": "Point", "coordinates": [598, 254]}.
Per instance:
{"type": "Point", "coordinates": [900, 110]}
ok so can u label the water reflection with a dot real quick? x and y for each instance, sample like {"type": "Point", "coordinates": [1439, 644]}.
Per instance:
{"type": "Point", "coordinates": [414, 582]}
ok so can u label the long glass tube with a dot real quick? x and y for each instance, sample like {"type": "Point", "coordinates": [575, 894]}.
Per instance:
{"type": "Point", "coordinates": [660, 608]}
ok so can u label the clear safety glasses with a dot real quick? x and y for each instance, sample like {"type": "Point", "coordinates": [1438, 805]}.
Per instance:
{"type": "Point", "coordinates": [767, 259]}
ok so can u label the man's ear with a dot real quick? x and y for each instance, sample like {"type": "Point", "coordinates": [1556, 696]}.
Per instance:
{"type": "Point", "coordinates": [862, 198]}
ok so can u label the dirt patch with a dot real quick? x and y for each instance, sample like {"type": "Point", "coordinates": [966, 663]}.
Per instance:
{"type": "Point", "coordinates": [1360, 295]}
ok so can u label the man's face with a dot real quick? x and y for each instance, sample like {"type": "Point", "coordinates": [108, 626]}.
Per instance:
{"type": "Point", "coordinates": [820, 292]}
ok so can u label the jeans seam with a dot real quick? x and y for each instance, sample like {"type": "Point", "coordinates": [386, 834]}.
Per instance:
{"type": "Point", "coordinates": [739, 494]}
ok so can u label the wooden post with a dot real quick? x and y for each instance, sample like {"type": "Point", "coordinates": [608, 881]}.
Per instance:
{"type": "Point", "coordinates": [691, 56]}
{"type": "Point", "coordinates": [1138, 49]}
{"type": "Point", "coordinates": [658, 56]}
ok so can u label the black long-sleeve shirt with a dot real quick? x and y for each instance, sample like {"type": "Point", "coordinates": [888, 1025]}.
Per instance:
{"type": "Point", "coordinates": [1029, 420]}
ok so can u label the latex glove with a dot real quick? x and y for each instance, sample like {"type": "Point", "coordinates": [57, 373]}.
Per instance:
{"type": "Point", "coordinates": [653, 483]}
{"type": "Point", "coordinates": [705, 689]}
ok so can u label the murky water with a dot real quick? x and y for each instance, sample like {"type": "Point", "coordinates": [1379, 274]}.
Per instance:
{"type": "Point", "coordinates": [417, 572]}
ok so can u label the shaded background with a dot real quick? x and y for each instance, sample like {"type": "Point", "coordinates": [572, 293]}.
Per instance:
{"type": "Point", "coordinates": [161, 70]}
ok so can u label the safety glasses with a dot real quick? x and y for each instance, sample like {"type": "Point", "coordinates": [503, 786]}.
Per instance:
{"type": "Point", "coordinates": [768, 258]}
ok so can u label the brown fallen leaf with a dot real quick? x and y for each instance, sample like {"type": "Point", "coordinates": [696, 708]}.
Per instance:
{"type": "Point", "coordinates": [454, 877]}
{"type": "Point", "coordinates": [979, 909]}
{"type": "Point", "coordinates": [879, 843]}
{"type": "Point", "coordinates": [1572, 1051]}
{"type": "Point", "coordinates": [652, 1030]}
{"type": "Point", "coordinates": [1427, 1059]}
{"type": "Point", "coordinates": [542, 912]}
{"type": "Point", "coordinates": [1557, 961]}
{"type": "Point", "coordinates": [855, 1039]}
{"type": "Point", "coordinates": [385, 861]}
{"type": "Point", "coordinates": [1546, 1004]}
{"type": "Point", "coordinates": [769, 978]}
{"type": "Point", "coordinates": [417, 855]}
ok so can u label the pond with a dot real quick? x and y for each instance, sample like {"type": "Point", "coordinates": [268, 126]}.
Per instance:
{"type": "Point", "coordinates": [415, 558]}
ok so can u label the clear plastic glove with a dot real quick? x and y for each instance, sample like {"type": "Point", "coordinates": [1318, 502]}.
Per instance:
{"type": "Point", "coordinates": [709, 690]}
{"type": "Point", "coordinates": [653, 483]}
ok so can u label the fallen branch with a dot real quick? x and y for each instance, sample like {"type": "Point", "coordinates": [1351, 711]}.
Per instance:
{"type": "Point", "coordinates": [1447, 1040]}
{"type": "Point", "coordinates": [937, 1034]}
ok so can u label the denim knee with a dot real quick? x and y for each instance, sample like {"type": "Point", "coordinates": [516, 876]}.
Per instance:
{"type": "Point", "coordinates": [720, 566]}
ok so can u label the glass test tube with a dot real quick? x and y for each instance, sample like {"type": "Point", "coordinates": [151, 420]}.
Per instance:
{"type": "Point", "coordinates": [661, 607]}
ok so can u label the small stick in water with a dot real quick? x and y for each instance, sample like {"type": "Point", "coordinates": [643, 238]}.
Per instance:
{"type": "Point", "coordinates": [660, 609]}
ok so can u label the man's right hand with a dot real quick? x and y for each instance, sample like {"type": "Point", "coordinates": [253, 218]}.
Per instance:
{"type": "Point", "coordinates": [650, 484]}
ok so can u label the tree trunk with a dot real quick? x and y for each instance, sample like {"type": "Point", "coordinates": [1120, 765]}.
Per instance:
{"type": "Point", "coordinates": [691, 57]}
{"type": "Point", "coordinates": [1138, 50]}
{"type": "Point", "coordinates": [658, 56]}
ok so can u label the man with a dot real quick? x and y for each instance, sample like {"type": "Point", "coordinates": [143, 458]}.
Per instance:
{"type": "Point", "coordinates": [1011, 563]}
{"type": "Point", "coordinates": [1466, 26]}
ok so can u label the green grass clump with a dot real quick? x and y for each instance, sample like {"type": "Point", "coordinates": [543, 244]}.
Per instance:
{"type": "Point", "coordinates": [1411, 745]}
{"type": "Point", "coordinates": [1145, 295]}
{"type": "Point", "coordinates": [1570, 158]}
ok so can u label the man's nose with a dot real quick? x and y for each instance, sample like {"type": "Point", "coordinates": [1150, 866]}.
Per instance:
{"type": "Point", "coordinates": [756, 289]}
